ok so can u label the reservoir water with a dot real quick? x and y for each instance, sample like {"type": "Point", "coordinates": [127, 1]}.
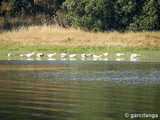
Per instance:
{"type": "Point", "coordinates": [79, 90]}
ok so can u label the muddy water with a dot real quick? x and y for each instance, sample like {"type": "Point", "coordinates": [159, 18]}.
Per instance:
{"type": "Point", "coordinates": [78, 90]}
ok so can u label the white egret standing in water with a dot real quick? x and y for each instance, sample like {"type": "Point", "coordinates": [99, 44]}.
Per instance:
{"type": "Point", "coordinates": [96, 56]}
{"type": "Point", "coordinates": [72, 55]}
{"type": "Point", "coordinates": [9, 54]}
{"type": "Point", "coordinates": [51, 55]}
{"type": "Point", "coordinates": [30, 54]}
{"type": "Point", "coordinates": [105, 54]}
{"type": "Point", "coordinates": [133, 57]}
{"type": "Point", "coordinates": [119, 54]}
{"type": "Point", "coordinates": [22, 55]}
{"type": "Point", "coordinates": [64, 54]}
{"type": "Point", "coordinates": [40, 54]}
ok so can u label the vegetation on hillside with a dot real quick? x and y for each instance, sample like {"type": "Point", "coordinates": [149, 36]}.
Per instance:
{"type": "Point", "coordinates": [55, 35]}
{"type": "Point", "coordinates": [134, 15]}
{"type": "Point", "coordinates": [92, 15]}
{"type": "Point", "coordinates": [17, 13]}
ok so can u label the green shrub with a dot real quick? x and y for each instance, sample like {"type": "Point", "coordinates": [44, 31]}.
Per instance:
{"type": "Point", "coordinates": [148, 19]}
{"type": "Point", "coordinates": [121, 15]}
{"type": "Point", "coordinates": [90, 14]}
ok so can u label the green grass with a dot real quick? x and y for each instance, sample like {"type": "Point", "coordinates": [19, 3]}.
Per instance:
{"type": "Point", "coordinates": [76, 49]}
{"type": "Point", "coordinates": [146, 52]}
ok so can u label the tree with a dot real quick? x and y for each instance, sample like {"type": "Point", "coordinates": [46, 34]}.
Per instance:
{"type": "Point", "coordinates": [22, 8]}
{"type": "Point", "coordinates": [125, 10]}
{"type": "Point", "coordinates": [149, 18]}
{"type": "Point", "coordinates": [90, 14]}
{"type": "Point", "coordinates": [49, 7]}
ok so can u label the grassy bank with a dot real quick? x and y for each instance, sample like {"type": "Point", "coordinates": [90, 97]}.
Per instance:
{"type": "Point", "coordinates": [50, 39]}
{"type": "Point", "coordinates": [77, 49]}
{"type": "Point", "coordinates": [148, 54]}
{"type": "Point", "coordinates": [55, 35]}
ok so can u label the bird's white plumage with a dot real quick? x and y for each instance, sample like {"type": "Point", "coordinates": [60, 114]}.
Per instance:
{"type": "Point", "coordinates": [64, 54]}
{"type": "Point", "coordinates": [22, 55]}
{"type": "Point", "coordinates": [51, 55]}
{"type": "Point", "coordinates": [30, 54]}
{"type": "Point", "coordinates": [134, 55]}
{"type": "Point", "coordinates": [119, 54]}
{"type": "Point", "coordinates": [72, 55]}
{"type": "Point", "coordinates": [83, 55]}
{"type": "Point", "coordinates": [9, 54]}
{"type": "Point", "coordinates": [40, 54]}
{"type": "Point", "coordinates": [96, 56]}
{"type": "Point", "coordinates": [105, 54]}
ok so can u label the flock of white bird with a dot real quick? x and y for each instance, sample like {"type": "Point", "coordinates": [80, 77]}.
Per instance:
{"type": "Point", "coordinates": [133, 57]}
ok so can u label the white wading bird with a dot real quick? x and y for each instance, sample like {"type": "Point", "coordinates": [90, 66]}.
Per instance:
{"type": "Point", "coordinates": [40, 54]}
{"type": "Point", "coordinates": [105, 54]}
{"type": "Point", "coordinates": [72, 55]}
{"type": "Point", "coordinates": [64, 54]}
{"type": "Point", "coordinates": [22, 55]}
{"type": "Point", "coordinates": [51, 55]}
{"type": "Point", "coordinates": [9, 54]}
{"type": "Point", "coordinates": [119, 54]}
{"type": "Point", "coordinates": [30, 54]}
{"type": "Point", "coordinates": [134, 55]}
{"type": "Point", "coordinates": [84, 55]}
{"type": "Point", "coordinates": [96, 56]}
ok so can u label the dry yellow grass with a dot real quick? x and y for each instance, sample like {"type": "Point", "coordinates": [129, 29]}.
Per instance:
{"type": "Point", "coordinates": [55, 35]}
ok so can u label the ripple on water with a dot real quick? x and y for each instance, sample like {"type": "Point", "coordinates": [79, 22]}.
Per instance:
{"type": "Point", "coordinates": [62, 90]}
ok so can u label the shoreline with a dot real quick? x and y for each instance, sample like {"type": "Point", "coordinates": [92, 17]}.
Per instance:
{"type": "Point", "coordinates": [50, 39]}
{"type": "Point", "coordinates": [148, 54]}
{"type": "Point", "coordinates": [75, 49]}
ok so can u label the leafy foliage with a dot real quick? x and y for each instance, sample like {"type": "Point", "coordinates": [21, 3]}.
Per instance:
{"type": "Point", "coordinates": [16, 13]}
{"type": "Point", "coordinates": [148, 19]}
{"type": "Point", "coordinates": [90, 14]}
{"type": "Point", "coordinates": [29, 7]}
{"type": "Point", "coordinates": [94, 15]}
{"type": "Point", "coordinates": [135, 15]}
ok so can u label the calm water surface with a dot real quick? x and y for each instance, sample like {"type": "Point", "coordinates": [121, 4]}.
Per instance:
{"type": "Point", "coordinates": [78, 90]}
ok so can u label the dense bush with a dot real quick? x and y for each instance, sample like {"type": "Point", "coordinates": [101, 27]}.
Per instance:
{"type": "Point", "coordinates": [149, 19]}
{"type": "Point", "coordinates": [16, 13]}
{"type": "Point", "coordinates": [29, 7]}
{"type": "Point", "coordinates": [135, 15]}
{"type": "Point", "coordinates": [95, 15]}
{"type": "Point", "coordinates": [90, 14]}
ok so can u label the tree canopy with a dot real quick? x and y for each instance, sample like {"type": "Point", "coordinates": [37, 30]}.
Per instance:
{"type": "Point", "coordinates": [135, 15]}
{"type": "Point", "coordinates": [94, 15]}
